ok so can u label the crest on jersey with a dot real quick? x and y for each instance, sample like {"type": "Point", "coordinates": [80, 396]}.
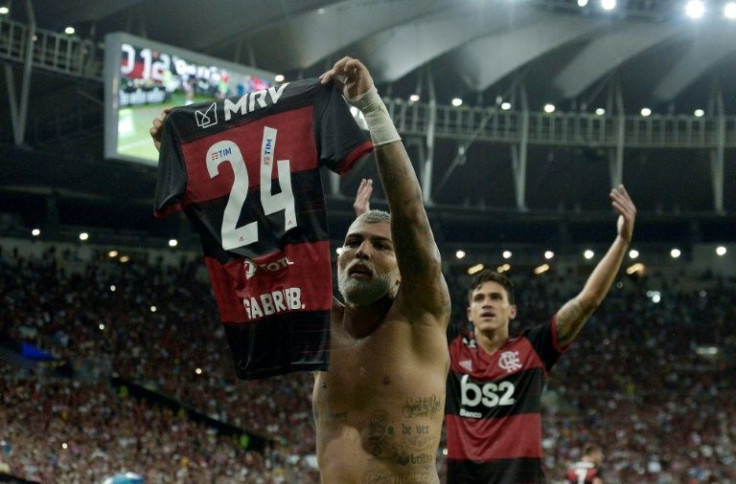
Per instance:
{"type": "Point", "coordinates": [206, 118]}
{"type": "Point", "coordinates": [509, 361]}
{"type": "Point", "coordinates": [250, 268]}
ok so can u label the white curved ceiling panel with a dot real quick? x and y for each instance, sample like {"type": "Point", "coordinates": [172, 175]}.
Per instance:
{"type": "Point", "coordinates": [706, 50]}
{"type": "Point", "coordinates": [489, 59]}
{"type": "Point", "coordinates": [608, 51]}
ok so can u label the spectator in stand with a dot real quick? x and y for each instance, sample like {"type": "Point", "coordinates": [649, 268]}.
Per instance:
{"type": "Point", "coordinates": [588, 469]}
{"type": "Point", "coordinates": [663, 412]}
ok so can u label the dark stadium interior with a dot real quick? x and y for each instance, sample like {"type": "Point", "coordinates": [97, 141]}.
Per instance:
{"type": "Point", "coordinates": [637, 382]}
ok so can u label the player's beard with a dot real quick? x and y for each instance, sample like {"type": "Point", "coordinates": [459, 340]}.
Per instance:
{"type": "Point", "coordinates": [358, 292]}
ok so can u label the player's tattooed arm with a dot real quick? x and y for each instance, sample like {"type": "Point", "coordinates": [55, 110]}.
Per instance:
{"type": "Point", "coordinates": [573, 315]}
{"type": "Point", "coordinates": [423, 290]}
{"type": "Point", "coordinates": [570, 320]}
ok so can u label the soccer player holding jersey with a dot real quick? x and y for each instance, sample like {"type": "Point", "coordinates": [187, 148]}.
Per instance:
{"type": "Point", "coordinates": [378, 409]}
{"type": "Point", "coordinates": [495, 382]}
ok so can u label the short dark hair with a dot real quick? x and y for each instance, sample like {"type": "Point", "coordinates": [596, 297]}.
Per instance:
{"type": "Point", "coordinates": [492, 276]}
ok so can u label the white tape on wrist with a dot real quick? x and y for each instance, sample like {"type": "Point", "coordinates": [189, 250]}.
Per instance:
{"type": "Point", "coordinates": [377, 118]}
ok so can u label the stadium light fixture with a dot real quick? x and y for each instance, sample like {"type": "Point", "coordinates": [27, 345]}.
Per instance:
{"type": "Point", "coordinates": [721, 251]}
{"type": "Point", "coordinates": [83, 236]}
{"type": "Point", "coordinates": [637, 268]}
{"type": "Point", "coordinates": [4, 10]}
{"type": "Point", "coordinates": [124, 259]}
{"type": "Point", "coordinates": [460, 254]}
{"type": "Point", "coordinates": [198, 371]}
{"type": "Point", "coordinates": [173, 243]}
{"type": "Point", "coordinates": [36, 232]}
{"type": "Point", "coordinates": [475, 269]}
{"type": "Point", "coordinates": [457, 102]}
{"type": "Point", "coordinates": [675, 253]}
{"type": "Point", "coordinates": [729, 10]}
{"type": "Point", "coordinates": [541, 269]}
{"type": "Point", "coordinates": [113, 288]}
{"type": "Point", "coordinates": [154, 309]}
{"type": "Point", "coordinates": [503, 268]}
{"type": "Point", "coordinates": [646, 112]}
{"type": "Point", "coordinates": [600, 111]}
{"type": "Point", "coordinates": [588, 254]}
{"type": "Point", "coordinates": [414, 98]}
{"type": "Point", "coordinates": [633, 254]}
{"type": "Point", "coordinates": [506, 106]}
{"type": "Point", "coordinates": [699, 113]}
{"type": "Point", "coordinates": [608, 4]}
{"type": "Point", "coordinates": [548, 254]}
{"type": "Point", "coordinates": [707, 350]}
{"type": "Point", "coordinates": [112, 254]}
{"type": "Point", "coordinates": [101, 326]}
{"type": "Point", "coordinates": [549, 108]}
{"type": "Point", "coordinates": [279, 78]}
{"type": "Point", "coordinates": [506, 254]}
{"type": "Point", "coordinates": [69, 30]}
{"type": "Point", "coordinates": [582, 3]}
{"type": "Point", "coordinates": [695, 9]}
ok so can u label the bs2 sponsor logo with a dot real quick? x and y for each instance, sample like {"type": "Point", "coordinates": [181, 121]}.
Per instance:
{"type": "Point", "coordinates": [489, 395]}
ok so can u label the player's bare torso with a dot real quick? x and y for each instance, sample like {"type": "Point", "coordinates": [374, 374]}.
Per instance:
{"type": "Point", "coordinates": [379, 409]}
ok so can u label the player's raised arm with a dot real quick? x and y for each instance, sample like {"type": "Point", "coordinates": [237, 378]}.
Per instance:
{"type": "Point", "coordinates": [572, 316]}
{"type": "Point", "coordinates": [362, 202]}
{"type": "Point", "coordinates": [422, 285]}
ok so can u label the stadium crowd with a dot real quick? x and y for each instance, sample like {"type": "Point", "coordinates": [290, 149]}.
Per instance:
{"type": "Point", "coordinates": [633, 382]}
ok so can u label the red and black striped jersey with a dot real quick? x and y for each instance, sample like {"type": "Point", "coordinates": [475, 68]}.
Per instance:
{"type": "Point", "coordinates": [493, 416]}
{"type": "Point", "coordinates": [584, 473]}
{"type": "Point", "coordinates": [246, 171]}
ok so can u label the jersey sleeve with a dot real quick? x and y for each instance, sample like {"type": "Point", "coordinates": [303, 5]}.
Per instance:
{"type": "Point", "coordinates": [544, 341]}
{"type": "Point", "coordinates": [340, 141]}
{"type": "Point", "coordinates": [171, 181]}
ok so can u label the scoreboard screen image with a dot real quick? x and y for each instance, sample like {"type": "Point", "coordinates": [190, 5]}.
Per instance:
{"type": "Point", "coordinates": [144, 77]}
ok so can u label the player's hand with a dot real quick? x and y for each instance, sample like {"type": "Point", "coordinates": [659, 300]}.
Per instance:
{"type": "Point", "coordinates": [157, 128]}
{"type": "Point", "coordinates": [626, 209]}
{"type": "Point", "coordinates": [362, 203]}
{"type": "Point", "coordinates": [351, 76]}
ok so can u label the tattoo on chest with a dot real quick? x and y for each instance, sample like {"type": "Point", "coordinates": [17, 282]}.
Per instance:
{"type": "Point", "coordinates": [422, 407]}
{"type": "Point", "coordinates": [416, 477]}
{"type": "Point", "coordinates": [379, 430]}
{"type": "Point", "coordinates": [410, 445]}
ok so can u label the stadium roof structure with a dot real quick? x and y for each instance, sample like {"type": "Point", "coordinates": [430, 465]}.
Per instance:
{"type": "Point", "coordinates": [503, 154]}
